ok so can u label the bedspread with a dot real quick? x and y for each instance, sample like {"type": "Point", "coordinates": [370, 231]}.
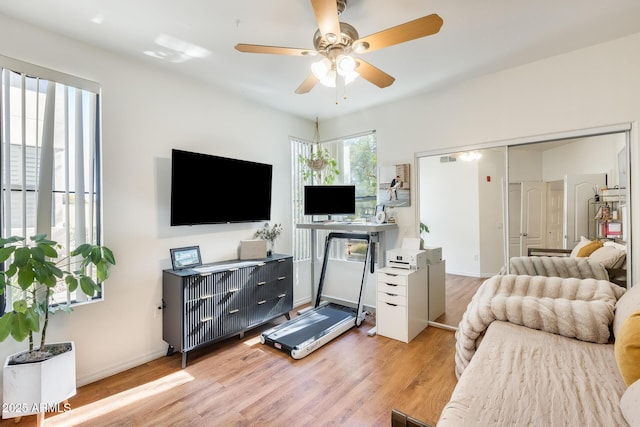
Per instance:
{"type": "Point", "coordinates": [550, 266]}
{"type": "Point", "coordinates": [576, 308]}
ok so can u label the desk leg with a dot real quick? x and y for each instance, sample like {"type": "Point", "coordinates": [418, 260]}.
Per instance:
{"type": "Point", "coordinates": [314, 254]}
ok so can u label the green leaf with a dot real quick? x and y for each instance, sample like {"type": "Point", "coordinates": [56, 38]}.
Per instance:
{"type": "Point", "coordinates": [21, 256]}
{"type": "Point", "coordinates": [108, 255]}
{"type": "Point", "coordinates": [102, 271]}
{"type": "Point", "coordinates": [32, 320]}
{"type": "Point", "coordinates": [66, 308]}
{"type": "Point", "coordinates": [5, 253]}
{"type": "Point", "coordinates": [96, 254]}
{"type": "Point", "coordinates": [72, 283]}
{"type": "Point", "coordinates": [48, 250]}
{"type": "Point", "coordinates": [19, 329]}
{"type": "Point", "coordinates": [84, 250]}
{"type": "Point", "coordinates": [20, 306]}
{"type": "Point", "coordinates": [25, 277]}
{"type": "Point", "coordinates": [88, 286]}
{"type": "Point", "coordinates": [6, 323]}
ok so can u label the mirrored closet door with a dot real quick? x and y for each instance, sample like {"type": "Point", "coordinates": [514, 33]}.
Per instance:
{"type": "Point", "coordinates": [485, 206]}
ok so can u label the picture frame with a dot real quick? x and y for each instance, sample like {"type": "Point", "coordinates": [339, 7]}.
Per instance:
{"type": "Point", "coordinates": [185, 257]}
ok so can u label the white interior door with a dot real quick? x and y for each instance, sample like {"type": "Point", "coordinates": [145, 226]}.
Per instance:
{"type": "Point", "coordinates": [534, 215]}
{"type": "Point", "coordinates": [515, 218]}
{"type": "Point", "coordinates": [555, 214]}
{"type": "Point", "coordinates": [578, 190]}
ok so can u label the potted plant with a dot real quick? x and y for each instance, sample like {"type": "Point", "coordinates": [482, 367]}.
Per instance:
{"type": "Point", "coordinates": [270, 234]}
{"type": "Point", "coordinates": [42, 376]}
{"type": "Point", "coordinates": [424, 228]}
{"type": "Point", "coordinates": [320, 164]}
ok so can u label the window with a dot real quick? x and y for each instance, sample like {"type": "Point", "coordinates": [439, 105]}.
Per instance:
{"type": "Point", "coordinates": [357, 161]}
{"type": "Point", "coordinates": [49, 159]}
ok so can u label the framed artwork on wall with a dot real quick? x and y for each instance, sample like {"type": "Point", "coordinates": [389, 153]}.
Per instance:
{"type": "Point", "coordinates": [394, 188]}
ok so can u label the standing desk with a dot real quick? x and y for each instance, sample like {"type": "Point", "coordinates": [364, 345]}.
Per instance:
{"type": "Point", "coordinates": [375, 231]}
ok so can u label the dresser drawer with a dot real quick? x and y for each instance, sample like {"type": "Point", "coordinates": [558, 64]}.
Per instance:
{"type": "Point", "coordinates": [392, 278]}
{"type": "Point", "coordinates": [394, 299]}
{"type": "Point", "coordinates": [392, 321]}
{"type": "Point", "coordinates": [389, 288]}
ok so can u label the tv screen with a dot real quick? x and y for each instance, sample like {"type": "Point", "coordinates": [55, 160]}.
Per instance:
{"type": "Point", "coordinates": [329, 199]}
{"type": "Point", "coordinates": [207, 189]}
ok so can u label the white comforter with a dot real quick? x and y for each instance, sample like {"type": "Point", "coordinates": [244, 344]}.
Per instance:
{"type": "Point", "coordinates": [576, 308]}
{"type": "Point", "coordinates": [582, 268]}
{"type": "Point", "coordinates": [525, 377]}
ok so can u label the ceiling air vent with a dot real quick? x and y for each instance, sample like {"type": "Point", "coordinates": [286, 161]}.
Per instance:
{"type": "Point", "coordinates": [447, 159]}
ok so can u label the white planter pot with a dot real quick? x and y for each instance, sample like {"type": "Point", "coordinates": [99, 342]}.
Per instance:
{"type": "Point", "coordinates": [37, 387]}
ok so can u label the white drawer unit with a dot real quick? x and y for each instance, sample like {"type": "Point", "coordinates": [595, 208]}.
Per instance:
{"type": "Point", "coordinates": [402, 303]}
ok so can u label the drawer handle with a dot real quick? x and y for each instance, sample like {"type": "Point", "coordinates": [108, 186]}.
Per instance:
{"type": "Point", "coordinates": [262, 283]}
{"type": "Point", "coordinates": [206, 319]}
{"type": "Point", "coordinates": [392, 275]}
{"type": "Point", "coordinates": [206, 296]}
{"type": "Point", "coordinates": [393, 305]}
{"type": "Point", "coordinates": [234, 311]}
{"type": "Point", "coordinates": [282, 277]}
{"type": "Point", "coordinates": [282, 295]}
{"type": "Point", "coordinates": [391, 284]}
{"type": "Point", "coordinates": [391, 295]}
{"type": "Point", "coordinates": [262, 302]}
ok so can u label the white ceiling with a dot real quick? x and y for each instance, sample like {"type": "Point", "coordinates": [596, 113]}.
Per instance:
{"type": "Point", "coordinates": [477, 37]}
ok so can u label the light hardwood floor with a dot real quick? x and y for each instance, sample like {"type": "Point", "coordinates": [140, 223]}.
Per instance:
{"type": "Point", "coordinates": [459, 290]}
{"type": "Point", "coordinates": [355, 380]}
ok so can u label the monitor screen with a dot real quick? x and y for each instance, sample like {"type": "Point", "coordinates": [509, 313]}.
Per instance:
{"type": "Point", "coordinates": [329, 200]}
{"type": "Point", "coordinates": [208, 189]}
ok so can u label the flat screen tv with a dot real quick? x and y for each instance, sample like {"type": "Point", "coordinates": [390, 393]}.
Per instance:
{"type": "Point", "coordinates": [329, 200]}
{"type": "Point", "coordinates": [207, 189]}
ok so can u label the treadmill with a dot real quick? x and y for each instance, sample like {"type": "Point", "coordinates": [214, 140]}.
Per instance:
{"type": "Point", "coordinates": [319, 325]}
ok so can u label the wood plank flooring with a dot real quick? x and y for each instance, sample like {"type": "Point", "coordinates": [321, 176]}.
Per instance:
{"type": "Point", "coordinates": [458, 290]}
{"type": "Point", "coordinates": [355, 380]}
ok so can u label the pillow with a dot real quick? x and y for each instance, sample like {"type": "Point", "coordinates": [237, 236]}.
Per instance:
{"type": "Point", "coordinates": [589, 248]}
{"type": "Point", "coordinates": [627, 349]}
{"type": "Point", "coordinates": [618, 246]}
{"type": "Point", "coordinates": [608, 256]}
{"type": "Point", "coordinates": [626, 304]}
{"type": "Point", "coordinates": [630, 404]}
{"type": "Point", "coordinates": [583, 242]}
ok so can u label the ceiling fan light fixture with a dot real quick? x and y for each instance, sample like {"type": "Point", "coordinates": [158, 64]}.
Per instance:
{"type": "Point", "coordinates": [469, 156]}
{"type": "Point", "coordinates": [345, 65]}
{"type": "Point", "coordinates": [360, 47]}
{"type": "Point", "coordinates": [331, 38]}
{"type": "Point", "coordinates": [321, 68]}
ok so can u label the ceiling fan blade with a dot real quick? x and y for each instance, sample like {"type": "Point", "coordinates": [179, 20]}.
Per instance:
{"type": "Point", "coordinates": [307, 84]}
{"type": "Point", "coordinates": [327, 16]}
{"type": "Point", "coordinates": [421, 27]}
{"type": "Point", "coordinates": [276, 50]}
{"type": "Point", "coordinates": [373, 74]}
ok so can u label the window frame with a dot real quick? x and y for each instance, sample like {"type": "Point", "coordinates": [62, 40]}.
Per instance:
{"type": "Point", "coordinates": [91, 124]}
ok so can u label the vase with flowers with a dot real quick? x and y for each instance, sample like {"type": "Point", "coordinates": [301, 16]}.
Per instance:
{"type": "Point", "coordinates": [270, 234]}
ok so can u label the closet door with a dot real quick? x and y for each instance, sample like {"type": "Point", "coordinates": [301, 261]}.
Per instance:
{"type": "Point", "coordinates": [578, 191]}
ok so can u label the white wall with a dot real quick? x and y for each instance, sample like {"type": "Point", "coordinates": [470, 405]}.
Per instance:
{"type": "Point", "coordinates": [147, 112]}
{"type": "Point", "coordinates": [588, 156]}
{"type": "Point", "coordinates": [592, 87]}
{"type": "Point", "coordinates": [454, 224]}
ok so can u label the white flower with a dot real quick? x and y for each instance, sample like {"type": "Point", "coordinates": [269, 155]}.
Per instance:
{"type": "Point", "coordinates": [269, 233]}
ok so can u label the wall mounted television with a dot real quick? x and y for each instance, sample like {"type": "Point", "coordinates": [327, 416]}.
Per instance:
{"type": "Point", "coordinates": [208, 189]}
{"type": "Point", "coordinates": [329, 200]}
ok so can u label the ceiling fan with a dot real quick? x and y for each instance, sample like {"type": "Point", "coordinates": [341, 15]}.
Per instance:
{"type": "Point", "coordinates": [336, 41]}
